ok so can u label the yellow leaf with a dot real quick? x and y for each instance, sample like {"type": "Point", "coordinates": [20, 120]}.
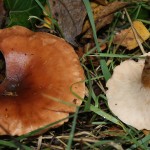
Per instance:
{"type": "Point", "coordinates": [127, 38]}
{"type": "Point", "coordinates": [47, 22]}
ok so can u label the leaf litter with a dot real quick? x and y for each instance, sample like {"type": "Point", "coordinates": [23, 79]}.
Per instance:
{"type": "Point", "coordinates": [70, 15]}
{"type": "Point", "coordinates": [127, 38]}
{"type": "Point", "coordinates": [103, 15]}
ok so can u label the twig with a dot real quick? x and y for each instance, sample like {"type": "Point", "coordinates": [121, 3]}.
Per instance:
{"type": "Point", "coordinates": [135, 32]}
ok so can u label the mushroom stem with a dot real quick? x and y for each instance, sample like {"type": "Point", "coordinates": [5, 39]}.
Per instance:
{"type": "Point", "coordinates": [145, 78]}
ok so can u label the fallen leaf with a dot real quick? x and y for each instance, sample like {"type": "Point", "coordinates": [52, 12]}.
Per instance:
{"type": "Point", "coordinates": [96, 11]}
{"type": "Point", "coordinates": [70, 15]}
{"type": "Point", "coordinates": [102, 23]}
{"type": "Point", "coordinates": [93, 5]}
{"type": "Point", "coordinates": [102, 2]}
{"type": "Point", "coordinates": [113, 131]}
{"type": "Point", "coordinates": [146, 132]}
{"type": "Point", "coordinates": [2, 13]}
{"type": "Point", "coordinates": [47, 22]}
{"type": "Point", "coordinates": [127, 38]}
{"type": "Point", "coordinates": [87, 47]}
{"type": "Point", "coordinates": [93, 59]}
{"type": "Point", "coordinates": [103, 15]}
{"type": "Point", "coordinates": [80, 52]}
{"type": "Point", "coordinates": [19, 12]}
{"type": "Point", "coordinates": [112, 8]}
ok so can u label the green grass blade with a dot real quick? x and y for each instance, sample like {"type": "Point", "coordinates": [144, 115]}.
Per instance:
{"type": "Point", "coordinates": [14, 145]}
{"type": "Point", "coordinates": [88, 102]}
{"type": "Point", "coordinates": [105, 69]}
{"type": "Point", "coordinates": [141, 142]}
{"type": "Point", "coordinates": [117, 56]}
{"type": "Point", "coordinates": [106, 116]}
{"type": "Point", "coordinates": [72, 129]}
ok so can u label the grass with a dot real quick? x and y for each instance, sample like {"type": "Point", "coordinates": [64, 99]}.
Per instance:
{"type": "Point", "coordinates": [93, 126]}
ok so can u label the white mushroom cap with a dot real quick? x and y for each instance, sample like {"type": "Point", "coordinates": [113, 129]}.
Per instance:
{"type": "Point", "coordinates": [127, 97]}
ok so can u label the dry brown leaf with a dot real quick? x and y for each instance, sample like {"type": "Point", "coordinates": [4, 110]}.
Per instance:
{"type": "Point", "coordinates": [103, 16]}
{"type": "Point", "coordinates": [70, 15]}
{"type": "Point", "coordinates": [103, 22]}
{"type": "Point", "coordinates": [102, 2]}
{"type": "Point", "coordinates": [96, 11]}
{"type": "Point", "coordinates": [146, 132]}
{"type": "Point", "coordinates": [87, 47]}
{"type": "Point", "coordinates": [127, 38]}
{"type": "Point", "coordinates": [112, 8]}
{"type": "Point", "coordinates": [93, 5]}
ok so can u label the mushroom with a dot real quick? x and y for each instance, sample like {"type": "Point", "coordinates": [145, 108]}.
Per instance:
{"type": "Point", "coordinates": [41, 71]}
{"type": "Point", "coordinates": [128, 92]}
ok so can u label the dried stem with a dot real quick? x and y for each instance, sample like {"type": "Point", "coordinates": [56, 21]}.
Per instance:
{"type": "Point", "coordinates": [145, 78]}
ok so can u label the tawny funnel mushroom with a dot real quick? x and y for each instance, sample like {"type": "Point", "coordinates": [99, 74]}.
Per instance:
{"type": "Point", "coordinates": [129, 93]}
{"type": "Point", "coordinates": [37, 64]}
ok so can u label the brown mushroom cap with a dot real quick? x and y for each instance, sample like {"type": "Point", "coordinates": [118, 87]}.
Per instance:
{"type": "Point", "coordinates": [127, 97]}
{"type": "Point", "coordinates": [37, 64]}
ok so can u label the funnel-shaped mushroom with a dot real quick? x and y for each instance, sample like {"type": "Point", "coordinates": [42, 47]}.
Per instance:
{"type": "Point", "coordinates": [37, 64]}
{"type": "Point", "coordinates": [129, 93]}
